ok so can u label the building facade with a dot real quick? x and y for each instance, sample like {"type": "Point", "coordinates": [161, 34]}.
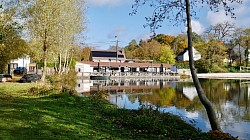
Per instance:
{"type": "Point", "coordinates": [20, 62]}
{"type": "Point", "coordinates": [183, 56]}
{"type": "Point", "coordinates": [107, 56]}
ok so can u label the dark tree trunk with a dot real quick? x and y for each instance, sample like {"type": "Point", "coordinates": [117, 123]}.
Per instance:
{"type": "Point", "coordinates": [206, 103]}
{"type": "Point", "coordinates": [9, 72]}
{"type": "Point", "coordinates": [44, 56]}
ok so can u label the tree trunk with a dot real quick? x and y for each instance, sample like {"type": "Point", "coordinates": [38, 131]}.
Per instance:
{"type": "Point", "coordinates": [44, 56]}
{"type": "Point", "coordinates": [60, 63]}
{"type": "Point", "coordinates": [206, 103]}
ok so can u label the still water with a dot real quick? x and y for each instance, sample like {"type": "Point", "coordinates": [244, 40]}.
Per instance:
{"type": "Point", "coordinates": [231, 99]}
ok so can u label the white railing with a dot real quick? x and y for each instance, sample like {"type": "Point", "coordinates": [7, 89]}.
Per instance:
{"type": "Point", "coordinates": [244, 69]}
{"type": "Point", "coordinates": [136, 74]}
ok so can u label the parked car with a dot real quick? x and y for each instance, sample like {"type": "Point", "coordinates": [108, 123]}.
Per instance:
{"type": "Point", "coordinates": [20, 70]}
{"type": "Point", "coordinates": [5, 77]}
{"type": "Point", "coordinates": [27, 78]}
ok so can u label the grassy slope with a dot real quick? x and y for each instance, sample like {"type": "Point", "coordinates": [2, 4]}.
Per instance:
{"type": "Point", "coordinates": [61, 116]}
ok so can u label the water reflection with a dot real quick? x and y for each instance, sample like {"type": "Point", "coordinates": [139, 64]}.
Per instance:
{"type": "Point", "coordinates": [230, 97]}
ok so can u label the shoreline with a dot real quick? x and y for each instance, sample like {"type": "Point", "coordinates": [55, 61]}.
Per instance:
{"type": "Point", "coordinates": [224, 75]}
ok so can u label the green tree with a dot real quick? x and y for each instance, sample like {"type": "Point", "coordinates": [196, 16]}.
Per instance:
{"type": "Point", "coordinates": [164, 39]}
{"type": "Point", "coordinates": [129, 50]}
{"type": "Point", "coordinates": [12, 45]}
{"type": "Point", "coordinates": [148, 50]}
{"type": "Point", "coordinates": [197, 39]}
{"type": "Point", "coordinates": [246, 40]}
{"type": "Point", "coordinates": [85, 53]}
{"type": "Point", "coordinates": [167, 55]}
{"type": "Point", "coordinates": [53, 25]}
{"type": "Point", "coordinates": [131, 46]}
{"type": "Point", "coordinates": [213, 54]}
{"type": "Point", "coordinates": [241, 39]}
{"type": "Point", "coordinates": [179, 43]}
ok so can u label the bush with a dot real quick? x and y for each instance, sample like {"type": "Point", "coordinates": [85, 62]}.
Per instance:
{"type": "Point", "coordinates": [232, 68]}
{"type": "Point", "coordinates": [64, 82]}
{"type": "Point", "coordinates": [218, 69]}
{"type": "Point", "coordinates": [202, 66]}
{"type": "Point", "coordinates": [182, 64]}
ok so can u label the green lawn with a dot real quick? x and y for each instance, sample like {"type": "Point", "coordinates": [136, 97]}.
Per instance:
{"type": "Point", "coordinates": [62, 116]}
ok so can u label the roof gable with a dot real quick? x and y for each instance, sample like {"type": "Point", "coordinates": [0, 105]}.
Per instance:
{"type": "Point", "coordinates": [184, 51]}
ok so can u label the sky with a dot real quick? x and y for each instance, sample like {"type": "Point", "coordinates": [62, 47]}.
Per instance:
{"type": "Point", "coordinates": [109, 20]}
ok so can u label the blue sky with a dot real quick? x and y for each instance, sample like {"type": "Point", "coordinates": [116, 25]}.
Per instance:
{"type": "Point", "coordinates": [109, 18]}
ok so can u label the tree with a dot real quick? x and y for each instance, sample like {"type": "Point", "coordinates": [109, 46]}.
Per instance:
{"type": "Point", "coordinates": [167, 55]}
{"type": "Point", "coordinates": [70, 24]}
{"type": "Point", "coordinates": [197, 39]}
{"type": "Point", "coordinates": [246, 40]}
{"type": "Point", "coordinates": [164, 39]}
{"type": "Point", "coordinates": [213, 53]}
{"type": "Point", "coordinates": [145, 51]}
{"type": "Point", "coordinates": [179, 43]}
{"type": "Point", "coordinates": [130, 48]}
{"type": "Point", "coordinates": [182, 10]}
{"type": "Point", "coordinates": [221, 31]}
{"type": "Point", "coordinates": [240, 39]}
{"type": "Point", "coordinates": [12, 45]}
{"type": "Point", "coordinates": [53, 25]}
{"type": "Point", "coordinates": [86, 53]}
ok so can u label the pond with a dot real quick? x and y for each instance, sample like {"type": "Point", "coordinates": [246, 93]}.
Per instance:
{"type": "Point", "coordinates": [231, 99]}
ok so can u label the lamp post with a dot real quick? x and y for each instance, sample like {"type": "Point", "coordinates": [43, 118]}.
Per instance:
{"type": "Point", "coordinates": [109, 65]}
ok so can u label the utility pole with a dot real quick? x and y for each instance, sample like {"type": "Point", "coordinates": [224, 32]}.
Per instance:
{"type": "Point", "coordinates": [116, 48]}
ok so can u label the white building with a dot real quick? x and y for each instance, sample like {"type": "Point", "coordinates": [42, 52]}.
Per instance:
{"type": "Point", "coordinates": [190, 92]}
{"type": "Point", "coordinates": [20, 62]}
{"type": "Point", "coordinates": [183, 56]}
{"type": "Point", "coordinates": [83, 69]}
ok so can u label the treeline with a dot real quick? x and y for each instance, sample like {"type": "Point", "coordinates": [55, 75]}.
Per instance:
{"type": "Point", "coordinates": [46, 30]}
{"type": "Point", "coordinates": [223, 47]}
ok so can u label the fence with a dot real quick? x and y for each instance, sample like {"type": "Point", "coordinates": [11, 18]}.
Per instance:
{"type": "Point", "coordinates": [244, 69]}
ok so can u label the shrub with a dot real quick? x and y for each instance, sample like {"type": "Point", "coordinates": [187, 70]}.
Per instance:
{"type": "Point", "coordinates": [232, 68]}
{"type": "Point", "coordinates": [218, 69]}
{"type": "Point", "coordinates": [182, 64]}
{"type": "Point", "coordinates": [64, 82]}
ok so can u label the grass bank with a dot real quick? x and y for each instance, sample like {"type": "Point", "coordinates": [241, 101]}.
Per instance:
{"type": "Point", "coordinates": [25, 115]}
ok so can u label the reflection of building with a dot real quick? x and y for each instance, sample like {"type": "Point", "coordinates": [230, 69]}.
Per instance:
{"type": "Point", "coordinates": [190, 92]}
{"type": "Point", "coordinates": [121, 85]}
{"type": "Point", "coordinates": [83, 86]}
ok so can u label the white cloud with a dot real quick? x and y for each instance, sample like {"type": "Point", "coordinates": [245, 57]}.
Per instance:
{"type": "Point", "coordinates": [197, 27]}
{"type": "Point", "coordinates": [217, 17]}
{"type": "Point", "coordinates": [241, 12]}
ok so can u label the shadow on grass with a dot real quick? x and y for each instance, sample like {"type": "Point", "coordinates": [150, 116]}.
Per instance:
{"type": "Point", "coordinates": [62, 116]}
